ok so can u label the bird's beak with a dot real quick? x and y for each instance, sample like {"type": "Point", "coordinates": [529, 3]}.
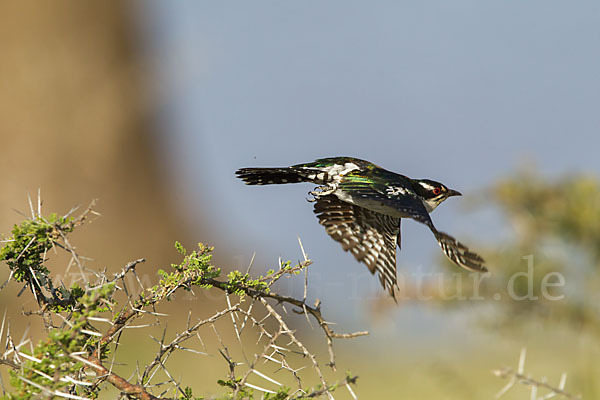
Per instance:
{"type": "Point", "coordinates": [452, 192]}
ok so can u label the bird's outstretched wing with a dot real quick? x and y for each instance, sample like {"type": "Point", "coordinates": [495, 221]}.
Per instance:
{"type": "Point", "coordinates": [397, 198]}
{"type": "Point", "coordinates": [458, 253]}
{"type": "Point", "coordinates": [371, 237]}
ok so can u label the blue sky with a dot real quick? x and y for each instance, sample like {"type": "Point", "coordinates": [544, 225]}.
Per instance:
{"type": "Point", "coordinates": [462, 92]}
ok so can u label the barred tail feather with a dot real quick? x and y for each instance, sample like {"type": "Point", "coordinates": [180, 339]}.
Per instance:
{"type": "Point", "coordinates": [269, 176]}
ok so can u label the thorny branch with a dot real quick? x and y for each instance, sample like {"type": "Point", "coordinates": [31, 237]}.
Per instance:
{"type": "Point", "coordinates": [301, 304]}
{"type": "Point", "coordinates": [89, 365]}
{"type": "Point", "coordinates": [519, 376]}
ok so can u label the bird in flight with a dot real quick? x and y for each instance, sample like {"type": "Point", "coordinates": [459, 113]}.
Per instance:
{"type": "Point", "coordinates": [361, 206]}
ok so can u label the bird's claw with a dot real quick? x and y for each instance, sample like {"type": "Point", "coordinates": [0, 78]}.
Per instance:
{"type": "Point", "coordinates": [321, 191]}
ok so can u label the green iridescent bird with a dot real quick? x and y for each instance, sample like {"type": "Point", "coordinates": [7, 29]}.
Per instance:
{"type": "Point", "coordinates": [361, 206]}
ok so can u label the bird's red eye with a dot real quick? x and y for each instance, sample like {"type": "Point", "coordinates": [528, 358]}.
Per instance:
{"type": "Point", "coordinates": [437, 191]}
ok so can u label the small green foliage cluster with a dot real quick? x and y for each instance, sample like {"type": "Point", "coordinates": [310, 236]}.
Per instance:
{"type": "Point", "coordinates": [286, 267]}
{"type": "Point", "coordinates": [24, 253]}
{"type": "Point", "coordinates": [248, 393]}
{"type": "Point", "coordinates": [188, 395]}
{"type": "Point", "coordinates": [239, 284]}
{"type": "Point", "coordinates": [194, 270]}
{"type": "Point", "coordinates": [50, 360]}
{"type": "Point", "coordinates": [30, 241]}
{"type": "Point", "coordinates": [232, 384]}
{"type": "Point", "coordinates": [281, 394]}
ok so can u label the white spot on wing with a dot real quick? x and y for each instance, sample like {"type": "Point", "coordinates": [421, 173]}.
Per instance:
{"type": "Point", "coordinates": [395, 190]}
{"type": "Point", "coordinates": [337, 171]}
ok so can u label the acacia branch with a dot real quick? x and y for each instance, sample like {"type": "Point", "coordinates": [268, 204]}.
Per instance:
{"type": "Point", "coordinates": [301, 304]}
{"type": "Point", "coordinates": [528, 381]}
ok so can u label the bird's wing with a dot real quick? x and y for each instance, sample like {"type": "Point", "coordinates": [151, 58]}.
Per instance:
{"type": "Point", "coordinates": [399, 198]}
{"type": "Point", "coordinates": [370, 237]}
{"type": "Point", "coordinates": [459, 254]}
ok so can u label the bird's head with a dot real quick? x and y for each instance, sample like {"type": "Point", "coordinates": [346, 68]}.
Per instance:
{"type": "Point", "coordinates": [432, 193]}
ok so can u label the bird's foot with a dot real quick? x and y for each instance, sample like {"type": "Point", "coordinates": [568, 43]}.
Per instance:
{"type": "Point", "coordinates": [321, 191]}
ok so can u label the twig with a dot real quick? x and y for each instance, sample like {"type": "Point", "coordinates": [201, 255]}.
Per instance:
{"type": "Point", "coordinates": [519, 376]}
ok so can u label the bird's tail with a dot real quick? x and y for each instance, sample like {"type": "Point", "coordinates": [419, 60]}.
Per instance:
{"type": "Point", "coordinates": [272, 176]}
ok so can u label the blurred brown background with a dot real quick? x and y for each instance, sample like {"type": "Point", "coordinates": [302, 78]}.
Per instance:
{"type": "Point", "coordinates": [76, 122]}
